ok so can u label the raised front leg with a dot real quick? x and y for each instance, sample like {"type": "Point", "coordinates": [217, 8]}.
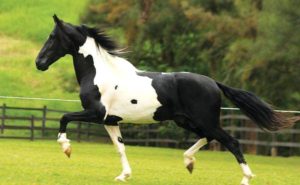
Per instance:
{"type": "Point", "coordinates": [115, 135]}
{"type": "Point", "coordinates": [86, 115]}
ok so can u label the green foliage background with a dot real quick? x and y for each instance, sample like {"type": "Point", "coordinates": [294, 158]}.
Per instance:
{"type": "Point", "coordinates": [251, 44]}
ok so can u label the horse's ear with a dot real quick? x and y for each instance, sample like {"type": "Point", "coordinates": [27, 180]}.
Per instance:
{"type": "Point", "coordinates": [57, 21]}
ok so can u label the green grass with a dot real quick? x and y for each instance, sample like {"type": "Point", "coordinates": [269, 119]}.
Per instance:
{"type": "Point", "coordinates": [32, 20]}
{"type": "Point", "coordinates": [19, 77]}
{"type": "Point", "coordinates": [42, 162]}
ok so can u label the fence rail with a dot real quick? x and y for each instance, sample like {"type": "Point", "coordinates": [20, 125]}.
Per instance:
{"type": "Point", "coordinates": [43, 123]}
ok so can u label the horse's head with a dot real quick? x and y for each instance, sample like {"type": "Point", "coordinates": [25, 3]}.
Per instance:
{"type": "Point", "coordinates": [64, 39]}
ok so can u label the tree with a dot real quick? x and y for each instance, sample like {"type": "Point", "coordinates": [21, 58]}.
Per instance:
{"type": "Point", "coordinates": [172, 35]}
{"type": "Point", "coordinates": [251, 43]}
{"type": "Point", "coordinates": [271, 61]}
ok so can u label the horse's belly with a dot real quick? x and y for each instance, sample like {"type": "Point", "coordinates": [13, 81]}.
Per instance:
{"type": "Point", "coordinates": [134, 114]}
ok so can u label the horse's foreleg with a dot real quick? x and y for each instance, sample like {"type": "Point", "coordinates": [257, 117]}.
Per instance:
{"type": "Point", "coordinates": [188, 156]}
{"type": "Point", "coordinates": [86, 115]}
{"type": "Point", "coordinates": [115, 135]}
{"type": "Point", "coordinates": [65, 143]}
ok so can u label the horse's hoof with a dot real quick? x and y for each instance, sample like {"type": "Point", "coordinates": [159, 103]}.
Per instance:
{"type": "Point", "coordinates": [190, 167]}
{"type": "Point", "coordinates": [68, 152]}
{"type": "Point", "coordinates": [244, 183]}
{"type": "Point", "coordinates": [246, 179]}
{"type": "Point", "coordinates": [67, 149]}
{"type": "Point", "coordinates": [189, 162]}
{"type": "Point", "coordinates": [122, 177]}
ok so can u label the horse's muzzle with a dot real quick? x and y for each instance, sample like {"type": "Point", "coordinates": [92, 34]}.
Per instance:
{"type": "Point", "coordinates": [41, 64]}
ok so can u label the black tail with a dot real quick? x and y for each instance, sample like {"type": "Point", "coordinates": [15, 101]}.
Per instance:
{"type": "Point", "coordinates": [257, 110]}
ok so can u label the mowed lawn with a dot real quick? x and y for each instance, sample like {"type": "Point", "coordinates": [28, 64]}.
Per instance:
{"type": "Point", "coordinates": [42, 162]}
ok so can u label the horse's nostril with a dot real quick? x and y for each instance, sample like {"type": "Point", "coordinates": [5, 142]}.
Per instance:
{"type": "Point", "coordinates": [41, 64]}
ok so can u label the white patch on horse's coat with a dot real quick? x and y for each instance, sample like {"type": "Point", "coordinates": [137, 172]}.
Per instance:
{"type": "Point", "coordinates": [62, 138]}
{"type": "Point", "coordinates": [111, 70]}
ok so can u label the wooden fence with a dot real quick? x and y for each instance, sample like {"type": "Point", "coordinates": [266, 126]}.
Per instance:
{"type": "Point", "coordinates": [43, 123]}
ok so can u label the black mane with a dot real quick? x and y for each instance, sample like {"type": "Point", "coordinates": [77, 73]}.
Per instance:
{"type": "Point", "coordinates": [103, 40]}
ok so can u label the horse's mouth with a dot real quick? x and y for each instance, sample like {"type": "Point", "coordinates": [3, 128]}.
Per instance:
{"type": "Point", "coordinates": [41, 65]}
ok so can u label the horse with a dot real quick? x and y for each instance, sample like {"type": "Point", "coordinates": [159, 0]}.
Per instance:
{"type": "Point", "coordinates": [113, 91]}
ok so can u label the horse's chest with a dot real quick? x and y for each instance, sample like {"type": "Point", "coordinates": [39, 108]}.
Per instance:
{"type": "Point", "coordinates": [134, 99]}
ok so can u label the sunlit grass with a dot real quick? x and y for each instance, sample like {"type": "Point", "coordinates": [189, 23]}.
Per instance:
{"type": "Point", "coordinates": [42, 162]}
{"type": "Point", "coordinates": [32, 20]}
{"type": "Point", "coordinates": [19, 77]}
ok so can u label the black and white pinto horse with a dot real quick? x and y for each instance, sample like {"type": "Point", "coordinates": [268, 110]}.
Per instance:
{"type": "Point", "coordinates": [113, 91]}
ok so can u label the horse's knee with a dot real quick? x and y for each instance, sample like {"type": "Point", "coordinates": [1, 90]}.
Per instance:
{"type": "Point", "coordinates": [64, 119]}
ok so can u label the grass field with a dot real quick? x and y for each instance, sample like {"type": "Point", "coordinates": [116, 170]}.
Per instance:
{"type": "Point", "coordinates": [42, 162]}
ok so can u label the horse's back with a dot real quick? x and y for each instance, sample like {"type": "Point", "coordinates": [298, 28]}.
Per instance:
{"type": "Point", "coordinates": [193, 84]}
{"type": "Point", "coordinates": [183, 93]}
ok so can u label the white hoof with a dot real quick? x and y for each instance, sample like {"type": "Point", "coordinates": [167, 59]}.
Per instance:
{"type": "Point", "coordinates": [189, 163]}
{"type": "Point", "coordinates": [123, 177]}
{"type": "Point", "coordinates": [66, 147]}
{"type": "Point", "coordinates": [246, 179]}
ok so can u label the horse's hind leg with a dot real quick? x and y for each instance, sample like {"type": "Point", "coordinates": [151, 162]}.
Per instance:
{"type": "Point", "coordinates": [188, 156]}
{"type": "Point", "coordinates": [233, 146]}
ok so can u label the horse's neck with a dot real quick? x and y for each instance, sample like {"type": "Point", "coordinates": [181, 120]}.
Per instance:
{"type": "Point", "coordinates": [108, 68]}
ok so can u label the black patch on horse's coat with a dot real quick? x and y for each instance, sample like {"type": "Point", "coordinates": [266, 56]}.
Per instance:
{"type": "Point", "coordinates": [120, 140]}
{"type": "Point", "coordinates": [116, 87]}
{"type": "Point", "coordinates": [112, 120]}
{"type": "Point", "coordinates": [88, 91]}
{"type": "Point", "coordinates": [134, 101]}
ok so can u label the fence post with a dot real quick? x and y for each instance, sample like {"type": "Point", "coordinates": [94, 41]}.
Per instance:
{"type": "Point", "coordinates": [79, 132]}
{"type": "Point", "coordinates": [44, 120]}
{"type": "Point", "coordinates": [88, 131]}
{"type": "Point", "coordinates": [252, 136]}
{"type": "Point", "coordinates": [148, 127]}
{"type": "Point", "coordinates": [273, 147]}
{"type": "Point", "coordinates": [3, 118]}
{"type": "Point", "coordinates": [32, 128]}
